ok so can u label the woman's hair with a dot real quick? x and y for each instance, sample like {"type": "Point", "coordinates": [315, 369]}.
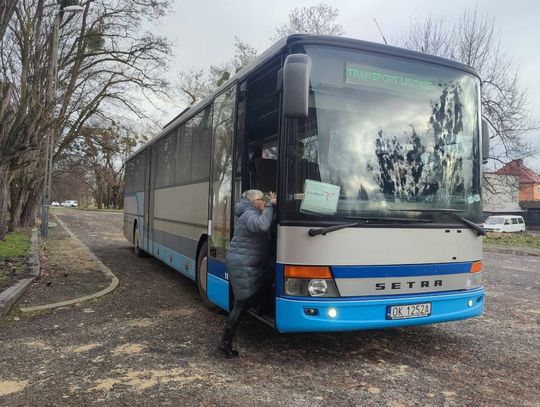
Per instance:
{"type": "Point", "coordinates": [252, 195]}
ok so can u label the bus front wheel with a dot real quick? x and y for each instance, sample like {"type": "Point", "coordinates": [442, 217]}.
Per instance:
{"type": "Point", "coordinates": [137, 243]}
{"type": "Point", "coordinates": [202, 278]}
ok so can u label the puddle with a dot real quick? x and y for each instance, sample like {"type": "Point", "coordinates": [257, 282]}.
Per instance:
{"type": "Point", "coordinates": [128, 349]}
{"type": "Point", "coordinates": [141, 323]}
{"type": "Point", "coordinates": [85, 348]}
{"type": "Point", "coordinates": [12, 386]}
{"type": "Point", "coordinates": [144, 379]}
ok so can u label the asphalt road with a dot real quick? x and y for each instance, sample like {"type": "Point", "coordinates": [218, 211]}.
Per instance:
{"type": "Point", "coordinates": [151, 343]}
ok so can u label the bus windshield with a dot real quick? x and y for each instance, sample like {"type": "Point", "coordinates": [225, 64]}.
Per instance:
{"type": "Point", "coordinates": [385, 137]}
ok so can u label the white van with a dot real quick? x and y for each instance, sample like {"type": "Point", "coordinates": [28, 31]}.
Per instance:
{"type": "Point", "coordinates": [505, 224]}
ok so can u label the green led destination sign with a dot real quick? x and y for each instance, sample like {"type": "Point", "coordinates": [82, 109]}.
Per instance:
{"type": "Point", "coordinates": [361, 75]}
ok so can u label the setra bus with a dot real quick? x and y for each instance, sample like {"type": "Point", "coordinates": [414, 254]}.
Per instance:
{"type": "Point", "coordinates": [376, 155]}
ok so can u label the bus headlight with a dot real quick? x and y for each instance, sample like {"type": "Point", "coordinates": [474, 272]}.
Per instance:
{"type": "Point", "coordinates": [303, 287]}
{"type": "Point", "coordinates": [317, 288]}
{"type": "Point", "coordinates": [295, 286]}
{"type": "Point", "coordinates": [305, 281]}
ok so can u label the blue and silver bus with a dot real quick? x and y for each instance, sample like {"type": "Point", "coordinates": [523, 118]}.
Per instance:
{"type": "Point", "coordinates": [376, 155]}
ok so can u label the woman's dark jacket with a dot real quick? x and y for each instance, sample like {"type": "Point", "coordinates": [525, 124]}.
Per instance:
{"type": "Point", "coordinates": [248, 254]}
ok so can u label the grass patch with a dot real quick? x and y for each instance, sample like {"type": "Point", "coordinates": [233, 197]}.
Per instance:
{"type": "Point", "coordinates": [513, 239]}
{"type": "Point", "coordinates": [13, 254]}
{"type": "Point", "coordinates": [16, 244]}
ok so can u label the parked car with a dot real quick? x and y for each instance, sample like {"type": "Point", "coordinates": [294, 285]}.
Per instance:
{"type": "Point", "coordinates": [504, 224]}
{"type": "Point", "coordinates": [70, 203]}
{"type": "Point", "coordinates": [55, 203]}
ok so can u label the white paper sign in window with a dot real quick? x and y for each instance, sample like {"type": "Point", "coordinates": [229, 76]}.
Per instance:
{"type": "Point", "coordinates": [320, 197]}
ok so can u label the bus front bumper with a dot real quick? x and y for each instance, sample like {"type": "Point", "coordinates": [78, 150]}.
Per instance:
{"type": "Point", "coordinates": [292, 314]}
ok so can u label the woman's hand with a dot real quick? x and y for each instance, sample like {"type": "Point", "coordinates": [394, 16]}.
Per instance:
{"type": "Point", "coordinates": [273, 197]}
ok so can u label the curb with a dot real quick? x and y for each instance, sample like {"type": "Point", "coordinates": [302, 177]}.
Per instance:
{"type": "Point", "coordinates": [9, 296]}
{"type": "Point", "coordinates": [104, 269]}
{"type": "Point", "coordinates": [511, 250]}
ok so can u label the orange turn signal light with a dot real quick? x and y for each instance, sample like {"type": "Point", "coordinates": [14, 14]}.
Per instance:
{"type": "Point", "coordinates": [476, 266]}
{"type": "Point", "coordinates": [308, 272]}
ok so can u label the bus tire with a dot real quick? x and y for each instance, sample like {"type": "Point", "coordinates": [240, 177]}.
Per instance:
{"type": "Point", "coordinates": [137, 242]}
{"type": "Point", "coordinates": [202, 278]}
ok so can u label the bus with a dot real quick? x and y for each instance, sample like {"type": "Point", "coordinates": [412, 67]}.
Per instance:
{"type": "Point", "coordinates": [376, 156]}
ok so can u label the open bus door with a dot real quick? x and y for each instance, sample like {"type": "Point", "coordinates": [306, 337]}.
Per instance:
{"type": "Point", "coordinates": [221, 198]}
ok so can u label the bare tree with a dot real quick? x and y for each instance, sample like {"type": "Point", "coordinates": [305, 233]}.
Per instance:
{"type": "Point", "coordinates": [97, 158]}
{"type": "Point", "coordinates": [319, 19]}
{"type": "Point", "coordinates": [430, 36]}
{"type": "Point", "coordinates": [24, 70]}
{"type": "Point", "coordinates": [195, 85]}
{"type": "Point", "coordinates": [114, 67]}
{"type": "Point", "coordinates": [475, 41]}
{"type": "Point", "coordinates": [7, 8]}
{"type": "Point", "coordinates": [107, 64]}
{"type": "Point", "coordinates": [243, 55]}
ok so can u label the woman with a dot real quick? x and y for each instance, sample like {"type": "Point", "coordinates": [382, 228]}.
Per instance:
{"type": "Point", "coordinates": [248, 257]}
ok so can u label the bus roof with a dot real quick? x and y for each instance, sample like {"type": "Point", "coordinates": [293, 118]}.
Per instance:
{"type": "Point", "coordinates": [305, 39]}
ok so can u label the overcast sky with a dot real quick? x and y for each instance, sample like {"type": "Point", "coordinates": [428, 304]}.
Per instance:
{"type": "Point", "coordinates": [204, 30]}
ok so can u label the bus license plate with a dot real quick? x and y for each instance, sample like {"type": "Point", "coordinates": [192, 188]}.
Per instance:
{"type": "Point", "coordinates": [408, 311]}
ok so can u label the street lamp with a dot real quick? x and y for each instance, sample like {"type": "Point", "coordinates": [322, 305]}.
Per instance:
{"type": "Point", "coordinates": [51, 91]}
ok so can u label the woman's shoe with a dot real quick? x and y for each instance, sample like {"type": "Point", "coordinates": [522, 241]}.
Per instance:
{"type": "Point", "coordinates": [228, 351]}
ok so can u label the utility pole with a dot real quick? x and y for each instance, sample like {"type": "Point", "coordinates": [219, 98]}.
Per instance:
{"type": "Point", "coordinates": [51, 95]}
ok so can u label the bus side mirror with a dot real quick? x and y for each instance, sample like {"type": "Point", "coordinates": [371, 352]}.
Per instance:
{"type": "Point", "coordinates": [485, 141]}
{"type": "Point", "coordinates": [296, 75]}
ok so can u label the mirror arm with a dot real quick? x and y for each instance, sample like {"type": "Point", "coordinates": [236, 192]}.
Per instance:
{"type": "Point", "coordinates": [485, 141]}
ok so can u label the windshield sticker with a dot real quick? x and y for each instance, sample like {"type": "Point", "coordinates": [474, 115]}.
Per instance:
{"type": "Point", "coordinates": [361, 74]}
{"type": "Point", "coordinates": [320, 197]}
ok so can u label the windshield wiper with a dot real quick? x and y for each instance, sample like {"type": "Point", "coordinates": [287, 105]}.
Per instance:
{"type": "Point", "coordinates": [453, 213]}
{"type": "Point", "coordinates": [365, 220]}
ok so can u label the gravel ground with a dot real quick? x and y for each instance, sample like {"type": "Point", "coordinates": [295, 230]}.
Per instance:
{"type": "Point", "coordinates": [12, 270]}
{"type": "Point", "coordinates": [151, 343]}
{"type": "Point", "coordinates": [67, 271]}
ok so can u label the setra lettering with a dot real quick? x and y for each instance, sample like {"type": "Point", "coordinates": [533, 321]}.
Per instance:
{"type": "Point", "coordinates": [398, 285]}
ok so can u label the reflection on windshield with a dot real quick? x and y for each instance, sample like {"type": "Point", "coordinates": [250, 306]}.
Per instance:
{"type": "Point", "coordinates": [390, 149]}
{"type": "Point", "coordinates": [424, 165]}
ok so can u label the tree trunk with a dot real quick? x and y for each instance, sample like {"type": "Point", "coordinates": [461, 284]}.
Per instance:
{"type": "Point", "coordinates": [29, 212]}
{"type": "Point", "coordinates": [19, 197]}
{"type": "Point", "coordinates": [4, 186]}
{"type": "Point", "coordinates": [114, 197]}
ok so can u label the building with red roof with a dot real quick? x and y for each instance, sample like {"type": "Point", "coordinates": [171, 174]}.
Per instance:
{"type": "Point", "coordinates": [529, 181]}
